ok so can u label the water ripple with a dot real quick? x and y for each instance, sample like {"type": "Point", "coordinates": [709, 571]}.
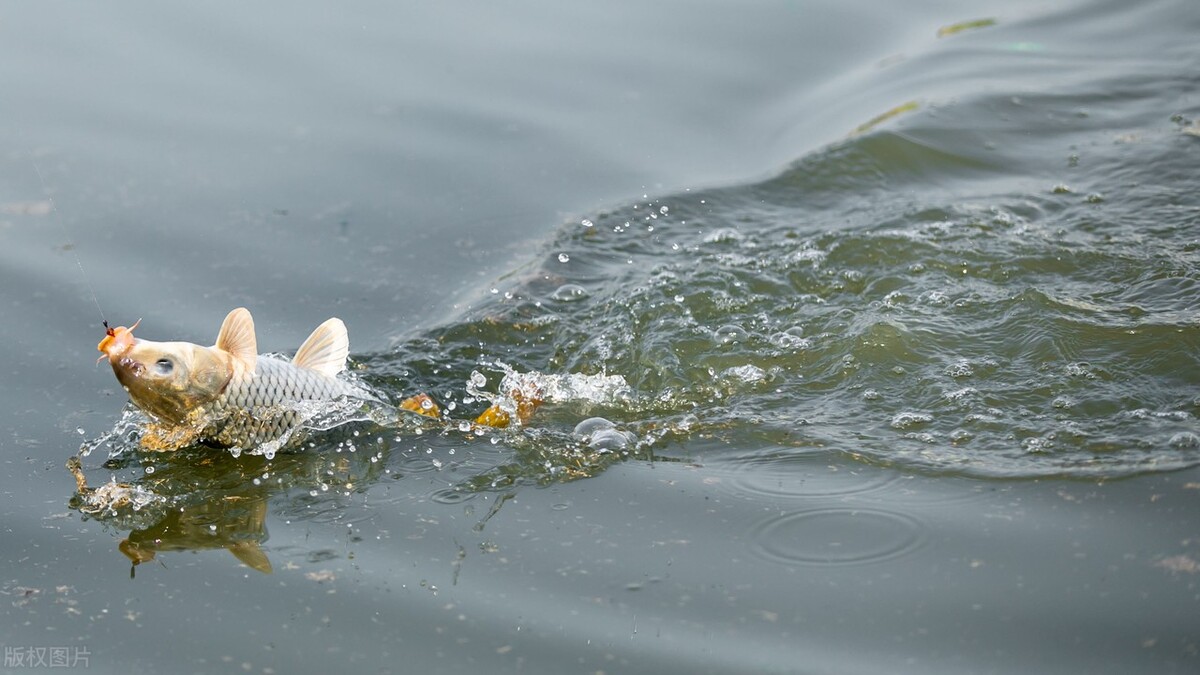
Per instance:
{"type": "Point", "coordinates": [837, 537]}
{"type": "Point", "coordinates": [783, 474]}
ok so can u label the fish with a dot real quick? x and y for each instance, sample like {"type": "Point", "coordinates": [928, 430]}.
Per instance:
{"type": "Point", "coordinates": [228, 395]}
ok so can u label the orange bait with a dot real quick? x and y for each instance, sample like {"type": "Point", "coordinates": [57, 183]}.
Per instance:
{"type": "Point", "coordinates": [116, 340]}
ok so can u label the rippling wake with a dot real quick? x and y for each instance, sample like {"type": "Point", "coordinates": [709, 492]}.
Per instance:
{"type": "Point", "coordinates": [903, 297]}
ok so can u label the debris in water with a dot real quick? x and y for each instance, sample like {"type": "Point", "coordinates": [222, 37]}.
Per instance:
{"type": "Point", "coordinates": [961, 26]}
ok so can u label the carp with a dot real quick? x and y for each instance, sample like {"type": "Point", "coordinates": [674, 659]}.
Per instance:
{"type": "Point", "coordinates": [228, 395]}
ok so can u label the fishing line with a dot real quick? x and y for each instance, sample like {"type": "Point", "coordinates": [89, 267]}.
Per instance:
{"type": "Point", "coordinates": [70, 243]}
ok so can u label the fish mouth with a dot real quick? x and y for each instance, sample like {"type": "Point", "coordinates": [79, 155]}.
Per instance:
{"type": "Point", "coordinates": [117, 341]}
{"type": "Point", "coordinates": [131, 366]}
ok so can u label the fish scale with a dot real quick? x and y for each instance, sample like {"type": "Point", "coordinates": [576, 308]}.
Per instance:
{"type": "Point", "coordinates": [263, 406]}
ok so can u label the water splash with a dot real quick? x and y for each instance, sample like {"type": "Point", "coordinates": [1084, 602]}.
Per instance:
{"type": "Point", "coordinates": [515, 388]}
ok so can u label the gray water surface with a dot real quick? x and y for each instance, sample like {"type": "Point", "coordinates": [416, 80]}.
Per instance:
{"type": "Point", "coordinates": [889, 313]}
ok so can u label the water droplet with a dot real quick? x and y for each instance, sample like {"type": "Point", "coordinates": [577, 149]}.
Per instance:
{"type": "Point", "coordinates": [563, 257]}
{"type": "Point", "coordinates": [586, 223]}
{"type": "Point", "coordinates": [679, 298]}
{"type": "Point", "coordinates": [149, 469]}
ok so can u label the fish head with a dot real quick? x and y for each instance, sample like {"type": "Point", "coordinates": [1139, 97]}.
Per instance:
{"type": "Point", "coordinates": [169, 380]}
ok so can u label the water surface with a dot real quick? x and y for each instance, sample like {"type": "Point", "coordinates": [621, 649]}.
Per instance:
{"type": "Point", "coordinates": [893, 331]}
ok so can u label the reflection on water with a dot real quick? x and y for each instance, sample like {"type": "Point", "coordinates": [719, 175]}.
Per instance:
{"type": "Point", "coordinates": [237, 524]}
{"type": "Point", "coordinates": [202, 498]}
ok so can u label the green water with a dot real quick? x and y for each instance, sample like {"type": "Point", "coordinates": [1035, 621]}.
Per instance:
{"type": "Point", "coordinates": [862, 348]}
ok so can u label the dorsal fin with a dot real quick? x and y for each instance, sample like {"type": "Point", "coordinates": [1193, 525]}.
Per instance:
{"type": "Point", "coordinates": [325, 351]}
{"type": "Point", "coordinates": [237, 337]}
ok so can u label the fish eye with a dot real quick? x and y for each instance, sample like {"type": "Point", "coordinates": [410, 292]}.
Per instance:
{"type": "Point", "coordinates": [164, 366]}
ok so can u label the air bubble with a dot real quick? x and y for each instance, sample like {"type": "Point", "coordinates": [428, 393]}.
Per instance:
{"type": "Point", "coordinates": [1184, 439]}
{"type": "Point", "coordinates": [906, 420]}
{"type": "Point", "coordinates": [591, 425]}
{"type": "Point", "coordinates": [602, 435]}
{"type": "Point", "coordinates": [611, 440]}
{"type": "Point", "coordinates": [730, 334]}
{"type": "Point", "coordinates": [569, 293]}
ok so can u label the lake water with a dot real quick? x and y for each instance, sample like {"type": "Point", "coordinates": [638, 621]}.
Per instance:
{"type": "Point", "coordinates": [889, 313]}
